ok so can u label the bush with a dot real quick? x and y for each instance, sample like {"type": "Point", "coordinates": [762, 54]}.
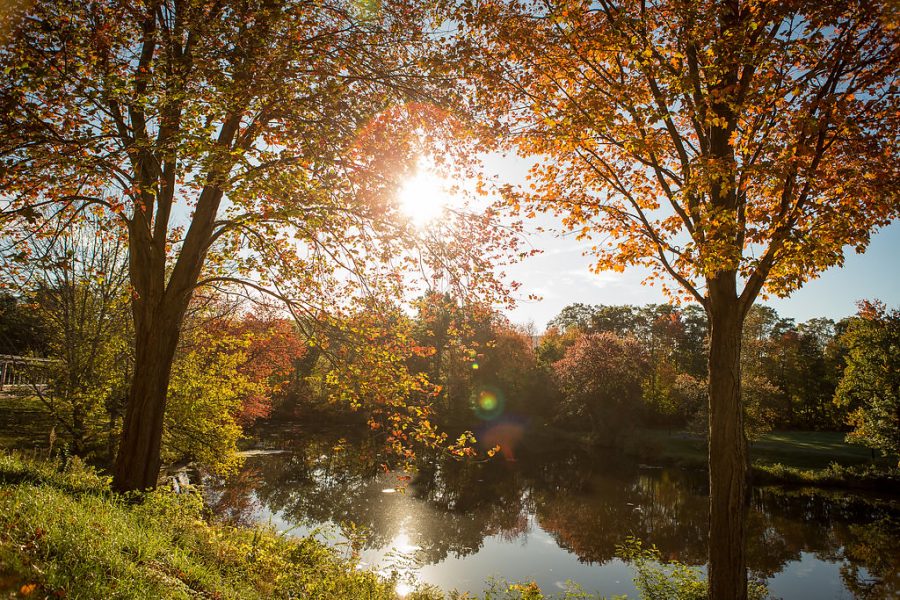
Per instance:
{"type": "Point", "coordinates": [657, 580]}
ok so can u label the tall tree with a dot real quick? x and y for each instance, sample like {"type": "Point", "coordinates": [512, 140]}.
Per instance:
{"type": "Point", "coordinates": [257, 141]}
{"type": "Point", "coordinates": [728, 145]}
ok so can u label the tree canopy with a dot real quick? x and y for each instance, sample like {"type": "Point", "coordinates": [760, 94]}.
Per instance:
{"type": "Point", "coordinates": [256, 145]}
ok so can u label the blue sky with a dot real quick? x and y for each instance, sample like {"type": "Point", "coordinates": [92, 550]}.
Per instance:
{"type": "Point", "coordinates": [561, 276]}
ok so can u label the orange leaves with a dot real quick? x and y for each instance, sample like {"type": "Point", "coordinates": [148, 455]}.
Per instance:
{"type": "Point", "coordinates": [689, 164]}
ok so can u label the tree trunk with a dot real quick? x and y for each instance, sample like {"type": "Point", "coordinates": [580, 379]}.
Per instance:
{"type": "Point", "coordinates": [78, 429]}
{"type": "Point", "coordinates": [138, 460]}
{"type": "Point", "coordinates": [727, 445]}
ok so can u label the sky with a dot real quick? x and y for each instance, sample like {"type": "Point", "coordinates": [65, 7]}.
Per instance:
{"type": "Point", "coordinates": [561, 274]}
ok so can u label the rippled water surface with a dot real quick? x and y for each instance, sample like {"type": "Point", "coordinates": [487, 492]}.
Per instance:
{"type": "Point", "coordinates": [551, 516]}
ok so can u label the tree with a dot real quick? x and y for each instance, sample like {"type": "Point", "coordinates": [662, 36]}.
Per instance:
{"type": "Point", "coordinates": [205, 401]}
{"type": "Point", "coordinates": [818, 375]}
{"type": "Point", "coordinates": [255, 143]}
{"type": "Point", "coordinates": [21, 332]}
{"type": "Point", "coordinates": [77, 288]}
{"type": "Point", "coordinates": [272, 347]}
{"type": "Point", "coordinates": [870, 387]}
{"type": "Point", "coordinates": [601, 377]}
{"type": "Point", "coordinates": [727, 145]}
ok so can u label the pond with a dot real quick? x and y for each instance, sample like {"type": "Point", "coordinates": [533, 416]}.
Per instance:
{"type": "Point", "coordinates": [552, 515]}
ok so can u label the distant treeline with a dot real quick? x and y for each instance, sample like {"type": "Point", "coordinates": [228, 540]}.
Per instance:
{"type": "Point", "coordinates": [605, 369]}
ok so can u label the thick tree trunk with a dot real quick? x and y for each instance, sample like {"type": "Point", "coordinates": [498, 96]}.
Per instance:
{"type": "Point", "coordinates": [138, 459]}
{"type": "Point", "coordinates": [727, 446]}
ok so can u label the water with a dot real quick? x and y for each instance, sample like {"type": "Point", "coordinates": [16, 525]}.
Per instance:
{"type": "Point", "coordinates": [552, 516]}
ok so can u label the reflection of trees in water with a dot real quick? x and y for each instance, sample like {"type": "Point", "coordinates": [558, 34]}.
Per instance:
{"type": "Point", "coordinates": [660, 507]}
{"type": "Point", "coordinates": [834, 526]}
{"type": "Point", "coordinates": [588, 504]}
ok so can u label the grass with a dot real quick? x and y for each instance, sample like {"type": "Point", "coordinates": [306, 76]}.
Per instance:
{"type": "Point", "coordinates": [24, 422]}
{"type": "Point", "coordinates": [813, 458]}
{"type": "Point", "coordinates": [795, 449]}
{"type": "Point", "coordinates": [808, 450]}
{"type": "Point", "coordinates": [64, 534]}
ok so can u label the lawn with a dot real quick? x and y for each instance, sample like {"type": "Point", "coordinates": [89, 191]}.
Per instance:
{"type": "Point", "coordinates": [795, 449]}
{"type": "Point", "coordinates": [809, 450]}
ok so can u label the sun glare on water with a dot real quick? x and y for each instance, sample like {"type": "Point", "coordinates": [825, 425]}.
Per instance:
{"type": "Point", "coordinates": [424, 196]}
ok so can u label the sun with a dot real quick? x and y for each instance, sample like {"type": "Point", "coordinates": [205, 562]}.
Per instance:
{"type": "Point", "coordinates": [424, 197]}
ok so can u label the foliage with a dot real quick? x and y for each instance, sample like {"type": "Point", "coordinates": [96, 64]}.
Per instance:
{"type": "Point", "coordinates": [770, 127]}
{"type": "Point", "coordinates": [21, 331]}
{"type": "Point", "coordinates": [834, 475]}
{"type": "Point", "coordinates": [656, 580]}
{"type": "Point", "coordinates": [77, 287]}
{"type": "Point", "coordinates": [272, 346]}
{"type": "Point", "coordinates": [365, 366]}
{"type": "Point", "coordinates": [760, 416]}
{"type": "Point", "coordinates": [732, 149]}
{"type": "Point", "coordinates": [257, 145]}
{"type": "Point", "coordinates": [601, 376]}
{"type": "Point", "coordinates": [869, 387]}
{"type": "Point", "coordinates": [205, 400]}
{"type": "Point", "coordinates": [454, 337]}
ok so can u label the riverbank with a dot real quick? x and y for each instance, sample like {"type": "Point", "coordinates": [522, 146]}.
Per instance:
{"type": "Point", "coordinates": [805, 458]}
{"type": "Point", "coordinates": [64, 534]}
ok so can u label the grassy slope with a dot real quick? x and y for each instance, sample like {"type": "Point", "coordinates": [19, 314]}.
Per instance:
{"type": "Point", "coordinates": [62, 533]}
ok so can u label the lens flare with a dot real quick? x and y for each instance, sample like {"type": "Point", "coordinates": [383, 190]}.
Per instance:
{"type": "Point", "coordinates": [474, 366]}
{"type": "Point", "coordinates": [488, 403]}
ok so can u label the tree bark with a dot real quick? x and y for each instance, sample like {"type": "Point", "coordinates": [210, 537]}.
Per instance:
{"type": "Point", "coordinates": [138, 459]}
{"type": "Point", "coordinates": [159, 305]}
{"type": "Point", "coordinates": [727, 445]}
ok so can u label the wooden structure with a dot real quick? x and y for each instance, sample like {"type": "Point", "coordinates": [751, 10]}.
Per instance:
{"type": "Point", "coordinates": [23, 372]}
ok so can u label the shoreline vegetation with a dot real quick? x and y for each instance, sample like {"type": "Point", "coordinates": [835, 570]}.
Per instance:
{"type": "Point", "coordinates": [791, 458]}
{"type": "Point", "coordinates": [64, 533]}
{"type": "Point", "coordinates": [795, 458]}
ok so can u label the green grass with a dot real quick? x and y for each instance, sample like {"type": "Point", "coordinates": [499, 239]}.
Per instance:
{"type": "Point", "coordinates": [808, 450]}
{"type": "Point", "coordinates": [796, 449]}
{"type": "Point", "coordinates": [25, 423]}
{"type": "Point", "coordinates": [823, 459]}
{"type": "Point", "coordinates": [815, 458]}
{"type": "Point", "coordinates": [64, 534]}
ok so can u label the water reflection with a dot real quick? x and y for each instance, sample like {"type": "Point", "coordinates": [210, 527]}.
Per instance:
{"type": "Point", "coordinates": [554, 515]}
